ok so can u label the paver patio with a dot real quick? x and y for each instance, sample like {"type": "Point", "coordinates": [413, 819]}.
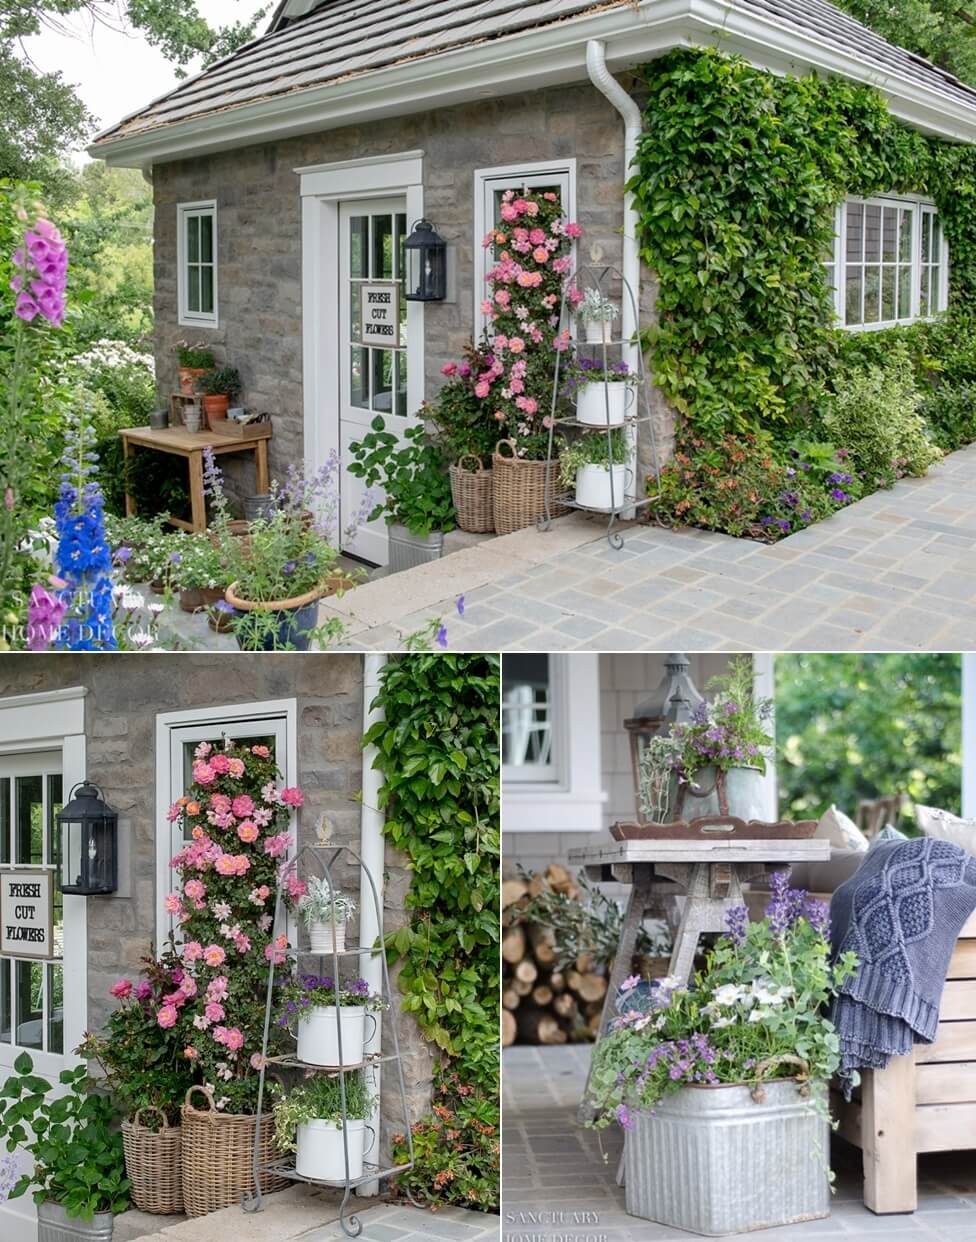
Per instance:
{"type": "Point", "coordinates": [553, 1167]}
{"type": "Point", "coordinates": [897, 571]}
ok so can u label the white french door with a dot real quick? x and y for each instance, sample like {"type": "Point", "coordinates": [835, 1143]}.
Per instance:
{"type": "Point", "coordinates": [373, 380]}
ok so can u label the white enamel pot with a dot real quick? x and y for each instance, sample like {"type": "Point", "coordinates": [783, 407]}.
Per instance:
{"type": "Point", "coordinates": [593, 486]}
{"type": "Point", "coordinates": [603, 405]}
{"type": "Point", "coordinates": [320, 1151]}
{"type": "Point", "coordinates": [318, 1034]}
{"type": "Point", "coordinates": [320, 937]}
{"type": "Point", "coordinates": [596, 331]}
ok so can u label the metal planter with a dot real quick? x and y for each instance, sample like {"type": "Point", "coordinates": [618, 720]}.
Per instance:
{"type": "Point", "coordinates": [739, 791]}
{"type": "Point", "coordinates": [408, 551]}
{"type": "Point", "coordinates": [55, 1225]}
{"type": "Point", "coordinates": [714, 1161]}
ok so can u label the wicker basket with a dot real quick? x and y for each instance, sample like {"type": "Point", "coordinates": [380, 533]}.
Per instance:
{"type": "Point", "coordinates": [218, 1150]}
{"type": "Point", "coordinates": [519, 490]}
{"type": "Point", "coordinates": [471, 493]}
{"type": "Point", "coordinates": [152, 1164]}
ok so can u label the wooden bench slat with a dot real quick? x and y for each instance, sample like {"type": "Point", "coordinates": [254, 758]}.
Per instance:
{"type": "Point", "coordinates": [945, 1127]}
{"type": "Point", "coordinates": [954, 1041]}
{"type": "Point", "coordinates": [953, 1082]}
{"type": "Point", "coordinates": [963, 962]}
{"type": "Point", "coordinates": [969, 928]}
{"type": "Point", "coordinates": [958, 1000]}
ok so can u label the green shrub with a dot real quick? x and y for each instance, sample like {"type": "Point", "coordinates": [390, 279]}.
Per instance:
{"type": "Point", "coordinates": [874, 413]}
{"type": "Point", "coordinates": [950, 415]}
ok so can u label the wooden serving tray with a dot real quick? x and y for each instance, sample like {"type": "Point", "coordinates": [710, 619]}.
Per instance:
{"type": "Point", "coordinates": [231, 429]}
{"type": "Point", "coordinates": [716, 827]}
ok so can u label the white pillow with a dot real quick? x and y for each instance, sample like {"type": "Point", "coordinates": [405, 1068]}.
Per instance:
{"type": "Point", "coordinates": [949, 827]}
{"type": "Point", "coordinates": [840, 831]}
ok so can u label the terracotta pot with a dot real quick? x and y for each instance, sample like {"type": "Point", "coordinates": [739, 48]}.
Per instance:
{"type": "Point", "coordinates": [189, 377]}
{"type": "Point", "coordinates": [215, 406]}
{"type": "Point", "coordinates": [293, 618]}
{"type": "Point", "coordinates": [196, 599]}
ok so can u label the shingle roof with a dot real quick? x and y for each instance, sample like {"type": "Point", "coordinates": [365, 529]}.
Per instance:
{"type": "Point", "coordinates": [344, 39]}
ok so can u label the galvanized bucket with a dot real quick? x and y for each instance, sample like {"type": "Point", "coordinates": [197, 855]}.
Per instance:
{"type": "Point", "coordinates": [55, 1225]}
{"type": "Point", "coordinates": [714, 1161]}
{"type": "Point", "coordinates": [407, 551]}
{"type": "Point", "coordinates": [739, 792]}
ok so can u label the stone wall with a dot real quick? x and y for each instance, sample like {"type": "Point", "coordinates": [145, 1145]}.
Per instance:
{"type": "Point", "coordinates": [121, 760]}
{"type": "Point", "coordinates": [259, 232]}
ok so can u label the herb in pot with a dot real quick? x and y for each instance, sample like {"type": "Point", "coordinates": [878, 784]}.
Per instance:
{"type": "Point", "coordinates": [197, 357]}
{"type": "Point", "coordinates": [315, 901]}
{"type": "Point", "coordinates": [413, 474]}
{"type": "Point", "coordinates": [591, 450]}
{"type": "Point", "coordinates": [221, 382]}
{"type": "Point", "coordinates": [596, 308]}
{"type": "Point", "coordinates": [320, 1099]}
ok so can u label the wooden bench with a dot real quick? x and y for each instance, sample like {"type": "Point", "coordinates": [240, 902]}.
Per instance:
{"type": "Point", "coordinates": [922, 1102]}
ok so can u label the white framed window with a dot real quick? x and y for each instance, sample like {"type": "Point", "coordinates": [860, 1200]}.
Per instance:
{"type": "Point", "coordinates": [490, 184]}
{"type": "Point", "coordinates": [889, 264]}
{"type": "Point", "coordinates": [273, 723]}
{"type": "Point", "coordinates": [551, 770]}
{"type": "Point", "coordinates": [196, 256]}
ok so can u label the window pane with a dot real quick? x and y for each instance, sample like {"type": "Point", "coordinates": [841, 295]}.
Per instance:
{"type": "Point", "coordinates": [936, 240]}
{"type": "Point", "coordinates": [355, 311]}
{"type": "Point", "coordinates": [905, 253]}
{"type": "Point", "coordinates": [872, 287]}
{"type": "Point", "coordinates": [54, 803]}
{"type": "Point", "coordinates": [29, 999]}
{"type": "Point", "coordinates": [905, 293]}
{"type": "Point", "coordinates": [5, 819]}
{"type": "Point", "coordinates": [193, 239]}
{"type": "Point", "coordinates": [852, 297]}
{"type": "Point", "coordinates": [924, 307]}
{"type": "Point", "coordinates": [935, 285]}
{"type": "Point", "coordinates": [5, 1023]}
{"type": "Point", "coordinates": [526, 711]}
{"type": "Point", "coordinates": [889, 277]}
{"type": "Point", "coordinates": [381, 368]}
{"type": "Point", "coordinates": [30, 831]}
{"type": "Point", "coordinates": [359, 378]}
{"type": "Point", "coordinates": [926, 232]}
{"type": "Point", "coordinates": [55, 1021]}
{"type": "Point", "coordinates": [855, 231]}
{"type": "Point", "coordinates": [401, 237]}
{"type": "Point", "coordinates": [872, 233]}
{"type": "Point", "coordinates": [358, 245]}
{"type": "Point", "coordinates": [206, 290]}
{"type": "Point", "coordinates": [382, 248]}
{"type": "Point", "coordinates": [831, 275]}
{"type": "Point", "coordinates": [401, 384]}
{"type": "Point", "coordinates": [889, 234]}
{"type": "Point", "coordinates": [206, 239]}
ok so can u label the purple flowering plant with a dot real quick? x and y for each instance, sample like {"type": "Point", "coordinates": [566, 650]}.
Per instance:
{"type": "Point", "coordinates": [758, 1010]}
{"type": "Point", "coordinates": [300, 992]}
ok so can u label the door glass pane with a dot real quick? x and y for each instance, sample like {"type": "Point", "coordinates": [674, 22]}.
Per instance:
{"type": "Point", "coordinates": [381, 370]}
{"type": "Point", "coordinates": [872, 233]}
{"type": "Point", "coordinates": [382, 266]}
{"type": "Point", "coordinates": [29, 1000]}
{"type": "Point", "coordinates": [55, 1022]}
{"type": "Point", "coordinates": [5, 1023]}
{"type": "Point", "coordinates": [356, 311]}
{"type": "Point", "coordinates": [401, 384]}
{"type": "Point", "coordinates": [54, 804]}
{"type": "Point", "coordinates": [358, 245]}
{"type": "Point", "coordinates": [852, 298]}
{"type": "Point", "coordinates": [193, 239]}
{"type": "Point", "coordinates": [206, 239]}
{"type": "Point", "coordinates": [872, 283]}
{"type": "Point", "coordinates": [889, 233]}
{"type": "Point", "coordinates": [216, 740]}
{"type": "Point", "coordinates": [5, 819]}
{"type": "Point", "coordinates": [906, 237]}
{"type": "Point", "coordinates": [401, 237]}
{"type": "Point", "coordinates": [30, 831]}
{"type": "Point", "coordinates": [359, 378]}
{"type": "Point", "coordinates": [855, 231]}
{"type": "Point", "coordinates": [206, 290]}
{"type": "Point", "coordinates": [193, 289]}
{"type": "Point", "coordinates": [889, 277]}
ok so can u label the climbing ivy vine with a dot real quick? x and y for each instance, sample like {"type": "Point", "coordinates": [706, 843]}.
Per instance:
{"type": "Point", "coordinates": [738, 175]}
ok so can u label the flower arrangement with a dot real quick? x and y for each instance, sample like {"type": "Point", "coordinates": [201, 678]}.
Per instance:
{"type": "Point", "coordinates": [319, 1098]}
{"type": "Point", "coordinates": [758, 1008]}
{"type": "Point", "coordinates": [315, 901]}
{"type": "Point", "coordinates": [238, 822]}
{"type": "Point", "coordinates": [592, 371]}
{"type": "Point", "coordinates": [457, 412]}
{"type": "Point", "coordinates": [591, 450]}
{"type": "Point", "coordinates": [298, 993]}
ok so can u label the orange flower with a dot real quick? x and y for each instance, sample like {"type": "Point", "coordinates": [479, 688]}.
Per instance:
{"type": "Point", "coordinates": [193, 808]}
{"type": "Point", "coordinates": [197, 833]}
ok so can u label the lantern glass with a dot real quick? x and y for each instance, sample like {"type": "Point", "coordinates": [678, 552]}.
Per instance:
{"type": "Point", "coordinates": [89, 844]}
{"type": "Point", "coordinates": [426, 264]}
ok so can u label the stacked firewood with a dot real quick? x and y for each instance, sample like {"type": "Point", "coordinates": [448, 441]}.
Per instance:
{"type": "Point", "coordinates": [545, 1000]}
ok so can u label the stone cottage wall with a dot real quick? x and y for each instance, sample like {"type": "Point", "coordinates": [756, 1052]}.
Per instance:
{"type": "Point", "coordinates": [124, 695]}
{"type": "Point", "coordinates": [259, 231]}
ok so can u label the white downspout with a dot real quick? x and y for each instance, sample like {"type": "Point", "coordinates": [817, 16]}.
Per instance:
{"type": "Point", "coordinates": [607, 84]}
{"type": "Point", "coordinates": [372, 851]}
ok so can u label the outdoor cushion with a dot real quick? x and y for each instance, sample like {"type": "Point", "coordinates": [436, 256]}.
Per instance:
{"type": "Point", "coordinates": [824, 877]}
{"type": "Point", "coordinates": [936, 823]}
{"type": "Point", "coordinates": [841, 831]}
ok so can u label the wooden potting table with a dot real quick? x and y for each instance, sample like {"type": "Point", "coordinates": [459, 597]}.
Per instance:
{"type": "Point", "coordinates": [190, 445]}
{"type": "Point", "coordinates": [710, 874]}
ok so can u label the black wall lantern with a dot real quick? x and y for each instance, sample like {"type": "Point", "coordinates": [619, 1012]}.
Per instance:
{"type": "Point", "coordinates": [89, 862]}
{"type": "Point", "coordinates": [426, 253]}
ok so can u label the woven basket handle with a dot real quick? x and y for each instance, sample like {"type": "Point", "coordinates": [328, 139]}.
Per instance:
{"type": "Point", "coordinates": [759, 1090]}
{"type": "Point", "coordinates": [152, 1108]}
{"type": "Point", "coordinates": [511, 445]}
{"type": "Point", "coordinates": [471, 457]}
{"type": "Point", "coordinates": [209, 1097]}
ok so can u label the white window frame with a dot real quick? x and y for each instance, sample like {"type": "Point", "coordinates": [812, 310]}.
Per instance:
{"type": "Point", "coordinates": [504, 177]}
{"type": "Point", "coordinates": [918, 204]}
{"type": "Point", "coordinates": [173, 730]}
{"type": "Point", "coordinates": [572, 799]}
{"type": "Point", "coordinates": [184, 213]}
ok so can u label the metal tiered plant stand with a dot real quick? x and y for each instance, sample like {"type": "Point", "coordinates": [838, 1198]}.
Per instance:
{"type": "Point", "coordinates": [323, 859]}
{"type": "Point", "coordinates": [603, 280]}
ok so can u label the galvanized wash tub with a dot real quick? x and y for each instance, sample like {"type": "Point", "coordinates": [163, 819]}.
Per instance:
{"type": "Point", "coordinates": [55, 1225]}
{"type": "Point", "coordinates": [408, 550]}
{"type": "Point", "coordinates": [739, 791]}
{"type": "Point", "coordinates": [714, 1161]}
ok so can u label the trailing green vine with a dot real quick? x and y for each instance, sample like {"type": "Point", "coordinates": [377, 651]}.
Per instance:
{"type": "Point", "coordinates": [738, 175]}
{"type": "Point", "coordinates": [438, 752]}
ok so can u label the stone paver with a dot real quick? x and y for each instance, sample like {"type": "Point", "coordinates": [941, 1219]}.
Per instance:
{"type": "Point", "coordinates": [896, 571]}
{"type": "Point", "coordinates": [559, 1181]}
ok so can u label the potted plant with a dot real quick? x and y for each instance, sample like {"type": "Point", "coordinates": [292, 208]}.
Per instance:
{"type": "Point", "coordinates": [596, 465]}
{"type": "Point", "coordinates": [146, 1069]}
{"type": "Point", "coordinates": [321, 909]}
{"type": "Point", "coordinates": [739, 1060]}
{"type": "Point", "coordinates": [598, 315]}
{"type": "Point", "coordinates": [603, 394]}
{"type": "Point", "coordinates": [323, 1010]}
{"type": "Point", "coordinates": [468, 437]}
{"type": "Point", "coordinates": [309, 1121]}
{"type": "Point", "coordinates": [200, 575]}
{"type": "Point", "coordinates": [194, 361]}
{"type": "Point", "coordinates": [714, 763]}
{"type": "Point", "coordinates": [218, 386]}
{"type": "Point", "coordinates": [417, 506]}
{"type": "Point", "coordinates": [71, 1133]}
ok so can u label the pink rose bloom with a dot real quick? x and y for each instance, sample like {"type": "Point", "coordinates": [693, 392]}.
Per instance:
{"type": "Point", "coordinates": [172, 903]}
{"type": "Point", "coordinates": [214, 955]}
{"type": "Point", "coordinates": [573, 230]}
{"type": "Point", "coordinates": [220, 803]}
{"type": "Point", "coordinates": [192, 951]}
{"type": "Point", "coordinates": [269, 792]}
{"type": "Point", "coordinates": [242, 805]}
{"type": "Point", "coordinates": [233, 1039]}
{"type": "Point", "coordinates": [242, 943]}
{"type": "Point", "coordinates": [257, 1061]}
{"type": "Point", "coordinates": [296, 888]}
{"type": "Point", "coordinates": [509, 213]}
{"type": "Point", "coordinates": [502, 297]}
{"type": "Point", "coordinates": [292, 796]}
{"type": "Point", "coordinates": [202, 750]}
{"type": "Point", "coordinates": [262, 816]}
{"type": "Point", "coordinates": [531, 209]}
{"type": "Point", "coordinates": [537, 237]}
{"type": "Point", "coordinates": [449, 368]}
{"type": "Point", "coordinates": [175, 998]}
{"type": "Point", "coordinates": [276, 951]}
{"type": "Point", "coordinates": [174, 812]}
{"type": "Point", "coordinates": [247, 831]}
{"type": "Point", "coordinates": [262, 752]}
{"type": "Point", "coordinates": [482, 389]}
{"type": "Point", "coordinates": [235, 767]}
{"type": "Point", "coordinates": [561, 265]}
{"type": "Point", "coordinates": [189, 986]}
{"type": "Point", "coordinates": [530, 280]}
{"type": "Point", "coordinates": [143, 990]}
{"type": "Point", "coordinates": [516, 345]}
{"type": "Point", "coordinates": [516, 385]}
{"type": "Point", "coordinates": [242, 864]}
{"type": "Point", "coordinates": [167, 1016]}
{"type": "Point", "coordinates": [226, 864]}
{"type": "Point", "coordinates": [276, 846]}
{"type": "Point", "coordinates": [540, 254]}
{"type": "Point", "coordinates": [220, 764]}
{"type": "Point", "coordinates": [486, 308]}
{"type": "Point", "coordinates": [213, 1012]}
{"type": "Point", "coordinates": [121, 989]}
{"type": "Point", "coordinates": [203, 774]}
{"type": "Point", "coordinates": [196, 890]}
{"type": "Point", "coordinates": [217, 988]}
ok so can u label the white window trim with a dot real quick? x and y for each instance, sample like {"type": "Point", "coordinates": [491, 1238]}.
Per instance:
{"type": "Point", "coordinates": [919, 204]}
{"type": "Point", "coordinates": [171, 727]}
{"type": "Point", "coordinates": [483, 183]}
{"type": "Point", "coordinates": [574, 801]}
{"type": "Point", "coordinates": [187, 318]}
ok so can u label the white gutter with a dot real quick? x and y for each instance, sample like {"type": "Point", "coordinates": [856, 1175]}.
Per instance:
{"type": "Point", "coordinates": [372, 851]}
{"type": "Point", "coordinates": [607, 84]}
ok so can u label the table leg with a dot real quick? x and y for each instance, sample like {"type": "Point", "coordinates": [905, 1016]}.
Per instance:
{"type": "Point", "coordinates": [130, 502]}
{"type": "Point", "coordinates": [198, 504]}
{"type": "Point", "coordinates": [261, 467]}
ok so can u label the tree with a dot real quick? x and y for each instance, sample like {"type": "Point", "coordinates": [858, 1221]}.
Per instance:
{"type": "Point", "coordinates": [863, 726]}
{"type": "Point", "coordinates": [943, 31]}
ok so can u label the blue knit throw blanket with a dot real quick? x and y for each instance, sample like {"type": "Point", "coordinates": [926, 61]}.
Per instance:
{"type": "Point", "coordinates": [901, 913]}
